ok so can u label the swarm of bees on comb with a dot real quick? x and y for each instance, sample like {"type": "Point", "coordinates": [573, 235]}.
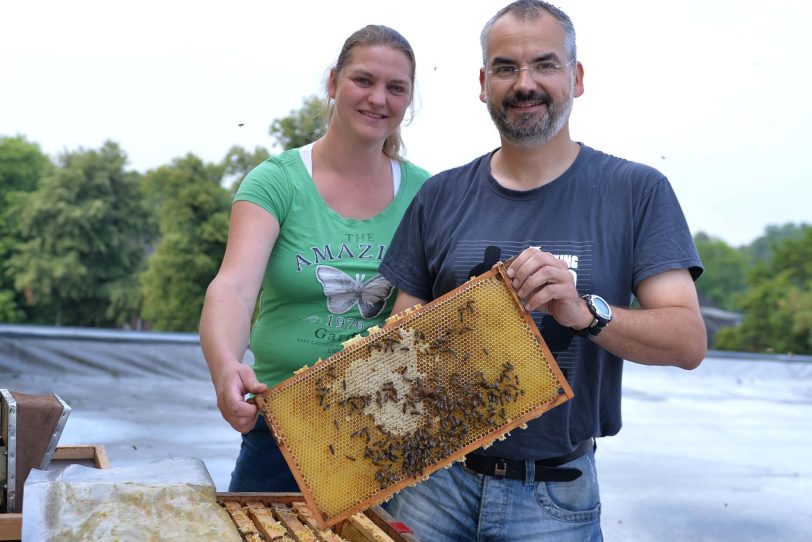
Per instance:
{"type": "Point", "coordinates": [433, 384]}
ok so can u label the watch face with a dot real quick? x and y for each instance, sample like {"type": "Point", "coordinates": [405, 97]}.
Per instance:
{"type": "Point", "coordinates": [601, 307]}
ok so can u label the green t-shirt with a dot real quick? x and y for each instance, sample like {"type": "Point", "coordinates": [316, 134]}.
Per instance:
{"type": "Point", "coordinates": [321, 285]}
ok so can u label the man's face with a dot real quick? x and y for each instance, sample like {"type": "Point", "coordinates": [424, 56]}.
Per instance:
{"type": "Point", "coordinates": [531, 107]}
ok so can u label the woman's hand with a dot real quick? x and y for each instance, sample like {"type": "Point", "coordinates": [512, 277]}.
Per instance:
{"type": "Point", "coordinates": [231, 385]}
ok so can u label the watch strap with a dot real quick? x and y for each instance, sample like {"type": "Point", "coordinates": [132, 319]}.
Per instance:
{"type": "Point", "coordinates": [597, 324]}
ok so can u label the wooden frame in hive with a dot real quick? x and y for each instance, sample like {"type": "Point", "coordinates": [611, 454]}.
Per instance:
{"type": "Point", "coordinates": [433, 384]}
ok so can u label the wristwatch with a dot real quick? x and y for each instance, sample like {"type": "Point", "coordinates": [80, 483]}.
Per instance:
{"type": "Point", "coordinates": [602, 313]}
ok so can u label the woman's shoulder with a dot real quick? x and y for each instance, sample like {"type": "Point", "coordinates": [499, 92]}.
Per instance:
{"type": "Point", "coordinates": [284, 172]}
{"type": "Point", "coordinates": [284, 164]}
{"type": "Point", "coordinates": [413, 174]}
{"type": "Point", "coordinates": [274, 183]}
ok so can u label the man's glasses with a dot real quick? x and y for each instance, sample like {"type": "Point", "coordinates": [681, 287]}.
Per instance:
{"type": "Point", "coordinates": [537, 70]}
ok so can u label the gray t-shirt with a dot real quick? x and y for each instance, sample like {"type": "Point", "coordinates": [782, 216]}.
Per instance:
{"type": "Point", "coordinates": [613, 221]}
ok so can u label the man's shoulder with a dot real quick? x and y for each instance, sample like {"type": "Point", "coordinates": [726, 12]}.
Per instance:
{"type": "Point", "coordinates": [611, 164]}
{"type": "Point", "coordinates": [460, 176]}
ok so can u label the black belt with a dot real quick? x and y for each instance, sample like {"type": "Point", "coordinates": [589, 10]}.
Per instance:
{"type": "Point", "coordinates": [547, 470]}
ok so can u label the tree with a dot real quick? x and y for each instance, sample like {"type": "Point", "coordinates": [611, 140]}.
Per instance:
{"type": "Point", "coordinates": [82, 238]}
{"type": "Point", "coordinates": [21, 166]}
{"type": "Point", "coordinates": [193, 213]}
{"type": "Point", "coordinates": [778, 304]}
{"type": "Point", "coordinates": [761, 249]}
{"type": "Point", "coordinates": [302, 126]}
{"type": "Point", "coordinates": [725, 273]}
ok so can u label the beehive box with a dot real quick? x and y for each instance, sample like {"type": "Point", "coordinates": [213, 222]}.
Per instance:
{"type": "Point", "coordinates": [430, 386]}
{"type": "Point", "coordinates": [282, 517]}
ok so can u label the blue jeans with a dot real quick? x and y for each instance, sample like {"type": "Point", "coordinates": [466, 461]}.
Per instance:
{"type": "Point", "coordinates": [458, 505]}
{"type": "Point", "coordinates": [261, 465]}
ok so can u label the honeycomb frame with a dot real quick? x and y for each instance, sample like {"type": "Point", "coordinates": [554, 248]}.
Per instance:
{"type": "Point", "coordinates": [434, 383]}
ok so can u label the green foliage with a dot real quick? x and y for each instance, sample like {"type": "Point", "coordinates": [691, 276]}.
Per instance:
{"type": "Point", "coordinates": [21, 166]}
{"type": "Point", "coordinates": [761, 250]}
{"type": "Point", "coordinates": [725, 273]}
{"type": "Point", "coordinates": [301, 126]}
{"type": "Point", "coordinates": [193, 213]}
{"type": "Point", "coordinates": [778, 303]}
{"type": "Point", "coordinates": [81, 232]}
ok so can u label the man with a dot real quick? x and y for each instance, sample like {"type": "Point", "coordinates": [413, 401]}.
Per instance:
{"type": "Point", "coordinates": [589, 230]}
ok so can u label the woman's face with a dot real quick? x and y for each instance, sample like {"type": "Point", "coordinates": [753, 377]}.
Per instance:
{"type": "Point", "coordinates": [371, 93]}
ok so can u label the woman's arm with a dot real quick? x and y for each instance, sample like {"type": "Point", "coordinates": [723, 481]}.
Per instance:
{"type": "Point", "coordinates": [226, 319]}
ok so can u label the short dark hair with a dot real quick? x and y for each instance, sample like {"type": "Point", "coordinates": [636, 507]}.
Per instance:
{"type": "Point", "coordinates": [528, 10]}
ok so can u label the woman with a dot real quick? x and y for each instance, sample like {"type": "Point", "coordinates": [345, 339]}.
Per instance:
{"type": "Point", "coordinates": [308, 229]}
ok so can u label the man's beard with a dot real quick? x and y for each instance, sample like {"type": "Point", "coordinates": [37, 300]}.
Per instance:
{"type": "Point", "coordinates": [525, 129]}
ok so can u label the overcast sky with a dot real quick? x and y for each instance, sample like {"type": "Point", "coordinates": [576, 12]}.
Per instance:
{"type": "Point", "coordinates": [715, 94]}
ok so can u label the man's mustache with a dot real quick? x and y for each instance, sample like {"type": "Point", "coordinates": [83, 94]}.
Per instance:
{"type": "Point", "coordinates": [524, 98]}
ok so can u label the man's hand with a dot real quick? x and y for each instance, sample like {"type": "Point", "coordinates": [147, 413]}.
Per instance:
{"type": "Point", "coordinates": [544, 283]}
{"type": "Point", "coordinates": [231, 386]}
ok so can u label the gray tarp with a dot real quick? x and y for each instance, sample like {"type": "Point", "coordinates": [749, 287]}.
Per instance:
{"type": "Point", "coordinates": [716, 454]}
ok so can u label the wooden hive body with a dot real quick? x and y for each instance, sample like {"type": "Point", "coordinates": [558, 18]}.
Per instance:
{"type": "Point", "coordinates": [433, 384]}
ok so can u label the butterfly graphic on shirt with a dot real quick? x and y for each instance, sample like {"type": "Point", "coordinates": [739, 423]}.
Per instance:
{"type": "Point", "coordinates": [343, 291]}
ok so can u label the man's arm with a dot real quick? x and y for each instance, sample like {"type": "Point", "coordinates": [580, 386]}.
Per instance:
{"type": "Point", "coordinates": [403, 301]}
{"type": "Point", "coordinates": [667, 330]}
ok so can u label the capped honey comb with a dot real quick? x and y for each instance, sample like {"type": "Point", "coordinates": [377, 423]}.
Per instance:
{"type": "Point", "coordinates": [433, 384]}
